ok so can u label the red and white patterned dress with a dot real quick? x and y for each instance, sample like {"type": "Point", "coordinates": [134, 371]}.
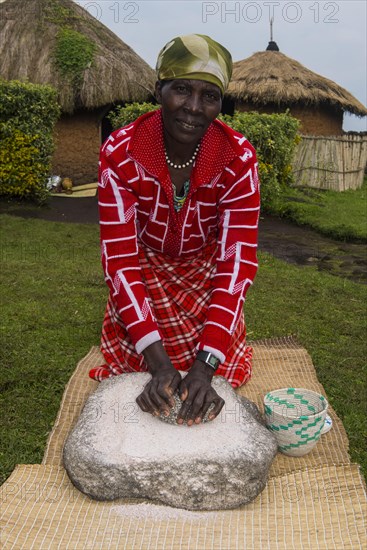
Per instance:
{"type": "Point", "coordinates": [180, 277]}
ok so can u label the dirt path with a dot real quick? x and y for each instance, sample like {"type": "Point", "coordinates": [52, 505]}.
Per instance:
{"type": "Point", "coordinates": [303, 246]}
{"type": "Point", "coordinates": [59, 209]}
{"type": "Point", "coordinates": [289, 242]}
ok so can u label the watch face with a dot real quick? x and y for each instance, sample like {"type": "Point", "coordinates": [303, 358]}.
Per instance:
{"type": "Point", "coordinates": [209, 359]}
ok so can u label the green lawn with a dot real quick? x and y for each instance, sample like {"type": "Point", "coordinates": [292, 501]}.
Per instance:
{"type": "Point", "coordinates": [340, 215]}
{"type": "Point", "coordinates": [53, 298]}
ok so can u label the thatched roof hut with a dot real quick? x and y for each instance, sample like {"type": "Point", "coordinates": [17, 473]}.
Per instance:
{"type": "Point", "coordinates": [57, 42]}
{"type": "Point", "coordinates": [271, 82]}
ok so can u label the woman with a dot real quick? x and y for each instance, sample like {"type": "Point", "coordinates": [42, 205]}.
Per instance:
{"type": "Point", "coordinates": [179, 208]}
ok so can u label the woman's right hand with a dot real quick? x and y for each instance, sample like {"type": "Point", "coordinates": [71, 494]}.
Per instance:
{"type": "Point", "coordinates": [157, 395]}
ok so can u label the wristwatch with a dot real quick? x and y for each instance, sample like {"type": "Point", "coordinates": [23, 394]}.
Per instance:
{"type": "Point", "coordinates": [208, 358]}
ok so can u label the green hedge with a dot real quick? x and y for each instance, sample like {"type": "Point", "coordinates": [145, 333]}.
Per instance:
{"type": "Point", "coordinates": [273, 136]}
{"type": "Point", "coordinates": [124, 115]}
{"type": "Point", "coordinates": [28, 113]}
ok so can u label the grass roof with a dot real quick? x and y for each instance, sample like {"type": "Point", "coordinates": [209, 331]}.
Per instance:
{"type": "Point", "coordinates": [57, 42]}
{"type": "Point", "coordinates": [272, 77]}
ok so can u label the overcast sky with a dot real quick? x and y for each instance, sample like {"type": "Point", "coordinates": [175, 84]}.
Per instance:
{"type": "Point", "coordinates": [327, 37]}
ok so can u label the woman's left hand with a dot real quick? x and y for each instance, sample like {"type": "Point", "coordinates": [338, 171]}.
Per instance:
{"type": "Point", "coordinates": [197, 393]}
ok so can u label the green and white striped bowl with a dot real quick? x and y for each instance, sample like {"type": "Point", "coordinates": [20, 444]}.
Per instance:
{"type": "Point", "coordinates": [296, 417]}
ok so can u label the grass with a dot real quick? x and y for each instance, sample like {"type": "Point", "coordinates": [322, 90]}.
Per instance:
{"type": "Point", "coordinates": [53, 298]}
{"type": "Point", "coordinates": [340, 215]}
{"type": "Point", "coordinates": [52, 303]}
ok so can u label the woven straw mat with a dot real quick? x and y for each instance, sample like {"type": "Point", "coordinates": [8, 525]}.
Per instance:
{"type": "Point", "coordinates": [313, 502]}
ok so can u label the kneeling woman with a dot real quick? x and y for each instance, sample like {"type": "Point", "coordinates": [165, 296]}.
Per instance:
{"type": "Point", "coordinates": [179, 209]}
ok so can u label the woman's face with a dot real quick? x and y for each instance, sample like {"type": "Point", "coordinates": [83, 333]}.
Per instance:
{"type": "Point", "coordinates": [188, 108]}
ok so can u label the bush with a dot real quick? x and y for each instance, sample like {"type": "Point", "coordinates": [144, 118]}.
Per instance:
{"type": "Point", "coordinates": [28, 113]}
{"type": "Point", "coordinates": [273, 136]}
{"type": "Point", "coordinates": [124, 115]}
{"type": "Point", "coordinates": [19, 165]}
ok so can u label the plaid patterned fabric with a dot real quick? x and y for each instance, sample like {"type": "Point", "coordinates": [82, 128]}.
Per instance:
{"type": "Point", "coordinates": [180, 277]}
{"type": "Point", "coordinates": [180, 313]}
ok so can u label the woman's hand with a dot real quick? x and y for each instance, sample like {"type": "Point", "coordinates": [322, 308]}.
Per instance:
{"type": "Point", "coordinates": [198, 394]}
{"type": "Point", "coordinates": [157, 395]}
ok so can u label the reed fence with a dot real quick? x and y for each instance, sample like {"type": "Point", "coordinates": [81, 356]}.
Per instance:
{"type": "Point", "coordinates": [336, 163]}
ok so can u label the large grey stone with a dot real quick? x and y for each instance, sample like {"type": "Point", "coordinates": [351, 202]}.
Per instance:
{"type": "Point", "coordinates": [115, 450]}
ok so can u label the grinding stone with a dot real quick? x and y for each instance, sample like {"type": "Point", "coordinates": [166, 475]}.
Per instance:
{"type": "Point", "coordinates": [116, 450]}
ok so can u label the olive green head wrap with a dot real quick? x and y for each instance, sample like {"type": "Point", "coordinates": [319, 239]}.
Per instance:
{"type": "Point", "coordinates": [195, 57]}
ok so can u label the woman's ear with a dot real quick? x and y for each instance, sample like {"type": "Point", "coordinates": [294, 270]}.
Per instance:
{"type": "Point", "coordinates": [158, 92]}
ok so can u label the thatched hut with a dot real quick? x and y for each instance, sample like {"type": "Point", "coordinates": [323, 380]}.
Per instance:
{"type": "Point", "coordinates": [271, 82]}
{"type": "Point", "coordinates": [57, 42]}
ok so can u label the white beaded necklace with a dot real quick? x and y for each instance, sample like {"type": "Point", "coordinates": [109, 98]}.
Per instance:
{"type": "Point", "coordinates": [185, 164]}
